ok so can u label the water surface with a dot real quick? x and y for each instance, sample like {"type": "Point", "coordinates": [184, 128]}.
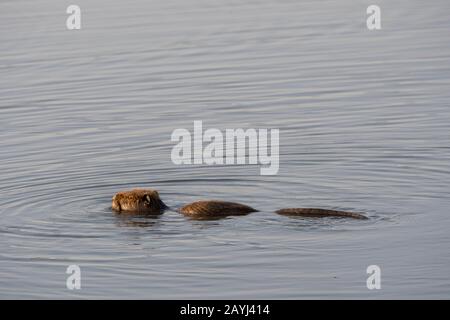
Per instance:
{"type": "Point", "coordinates": [364, 121]}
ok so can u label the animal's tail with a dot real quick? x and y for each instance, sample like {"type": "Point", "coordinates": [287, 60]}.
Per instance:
{"type": "Point", "coordinates": [314, 212]}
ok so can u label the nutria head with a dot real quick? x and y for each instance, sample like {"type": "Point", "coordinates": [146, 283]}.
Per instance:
{"type": "Point", "coordinates": [143, 201]}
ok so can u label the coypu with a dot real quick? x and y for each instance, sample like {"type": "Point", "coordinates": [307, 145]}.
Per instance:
{"type": "Point", "coordinates": [147, 201]}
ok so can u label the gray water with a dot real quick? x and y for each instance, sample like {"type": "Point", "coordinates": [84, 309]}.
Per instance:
{"type": "Point", "coordinates": [364, 120]}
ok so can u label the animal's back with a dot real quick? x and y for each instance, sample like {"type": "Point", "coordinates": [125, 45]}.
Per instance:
{"type": "Point", "coordinates": [215, 208]}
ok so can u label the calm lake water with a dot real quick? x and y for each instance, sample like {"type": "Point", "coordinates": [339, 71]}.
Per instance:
{"type": "Point", "coordinates": [364, 120]}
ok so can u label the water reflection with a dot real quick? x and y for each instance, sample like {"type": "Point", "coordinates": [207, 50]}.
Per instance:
{"type": "Point", "coordinates": [140, 221]}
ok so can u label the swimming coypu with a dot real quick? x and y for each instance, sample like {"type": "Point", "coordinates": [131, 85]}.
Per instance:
{"type": "Point", "coordinates": [147, 201]}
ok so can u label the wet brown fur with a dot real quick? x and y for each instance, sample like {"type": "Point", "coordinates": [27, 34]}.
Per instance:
{"type": "Point", "coordinates": [215, 208]}
{"type": "Point", "coordinates": [142, 201]}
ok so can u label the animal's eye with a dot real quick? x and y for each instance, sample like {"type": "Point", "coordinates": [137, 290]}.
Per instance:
{"type": "Point", "coordinates": [147, 199]}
